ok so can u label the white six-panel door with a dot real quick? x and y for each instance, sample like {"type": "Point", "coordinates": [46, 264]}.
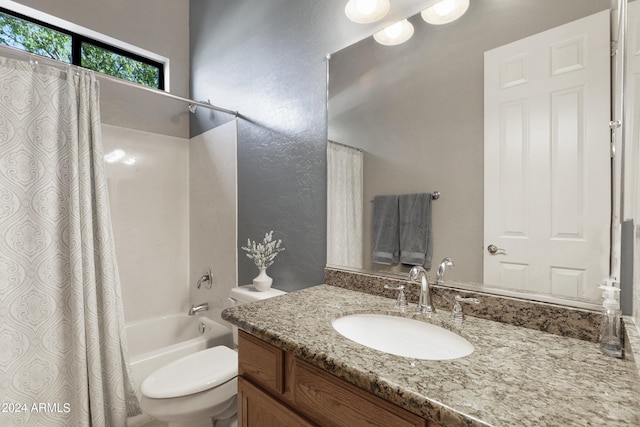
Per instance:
{"type": "Point", "coordinates": [547, 160]}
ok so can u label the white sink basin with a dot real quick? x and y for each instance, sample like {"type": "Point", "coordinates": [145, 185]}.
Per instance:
{"type": "Point", "coordinates": [403, 337]}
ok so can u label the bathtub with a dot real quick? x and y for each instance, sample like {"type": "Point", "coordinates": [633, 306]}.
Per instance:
{"type": "Point", "coordinates": [154, 342]}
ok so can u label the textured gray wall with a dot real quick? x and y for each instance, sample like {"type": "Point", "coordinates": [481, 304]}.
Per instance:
{"type": "Point", "coordinates": [266, 59]}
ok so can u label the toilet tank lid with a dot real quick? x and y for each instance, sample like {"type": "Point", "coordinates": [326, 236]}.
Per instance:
{"type": "Point", "coordinates": [248, 293]}
{"type": "Point", "coordinates": [200, 371]}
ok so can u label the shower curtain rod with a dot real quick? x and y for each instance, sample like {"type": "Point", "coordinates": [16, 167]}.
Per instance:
{"type": "Point", "coordinates": [34, 58]}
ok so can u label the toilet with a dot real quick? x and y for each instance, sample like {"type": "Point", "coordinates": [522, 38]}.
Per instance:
{"type": "Point", "coordinates": [199, 390]}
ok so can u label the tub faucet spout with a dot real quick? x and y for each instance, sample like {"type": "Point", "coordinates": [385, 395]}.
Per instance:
{"type": "Point", "coordinates": [198, 308]}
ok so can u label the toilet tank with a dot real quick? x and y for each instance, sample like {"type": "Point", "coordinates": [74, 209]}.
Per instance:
{"type": "Point", "coordinates": [246, 294]}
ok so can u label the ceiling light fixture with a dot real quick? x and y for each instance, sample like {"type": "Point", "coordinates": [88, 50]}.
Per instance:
{"type": "Point", "coordinates": [445, 11]}
{"type": "Point", "coordinates": [366, 11]}
{"type": "Point", "coordinates": [395, 34]}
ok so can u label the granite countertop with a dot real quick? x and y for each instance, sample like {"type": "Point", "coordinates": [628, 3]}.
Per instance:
{"type": "Point", "coordinates": [514, 377]}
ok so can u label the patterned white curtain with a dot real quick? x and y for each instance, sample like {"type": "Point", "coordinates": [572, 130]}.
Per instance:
{"type": "Point", "coordinates": [63, 359]}
{"type": "Point", "coordinates": [344, 205]}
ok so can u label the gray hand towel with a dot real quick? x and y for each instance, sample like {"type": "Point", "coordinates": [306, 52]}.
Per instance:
{"type": "Point", "coordinates": [385, 230]}
{"type": "Point", "coordinates": [416, 243]}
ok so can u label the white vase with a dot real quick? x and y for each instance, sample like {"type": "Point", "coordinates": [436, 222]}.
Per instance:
{"type": "Point", "coordinates": [262, 282]}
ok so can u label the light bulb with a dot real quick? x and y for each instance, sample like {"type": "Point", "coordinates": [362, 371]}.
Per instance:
{"type": "Point", "coordinates": [445, 11]}
{"type": "Point", "coordinates": [444, 7]}
{"type": "Point", "coordinates": [394, 30]}
{"type": "Point", "coordinates": [366, 11]}
{"type": "Point", "coordinates": [366, 7]}
{"type": "Point", "coordinates": [395, 34]}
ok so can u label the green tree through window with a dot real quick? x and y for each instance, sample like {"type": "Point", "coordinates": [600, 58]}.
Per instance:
{"type": "Point", "coordinates": [104, 61]}
{"type": "Point", "coordinates": [59, 45]}
{"type": "Point", "coordinates": [34, 38]}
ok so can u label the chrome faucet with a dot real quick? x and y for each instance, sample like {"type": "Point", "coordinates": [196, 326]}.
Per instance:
{"type": "Point", "coordinates": [424, 302]}
{"type": "Point", "coordinates": [198, 308]}
{"type": "Point", "coordinates": [442, 268]}
{"type": "Point", "coordinates": [456, 312]}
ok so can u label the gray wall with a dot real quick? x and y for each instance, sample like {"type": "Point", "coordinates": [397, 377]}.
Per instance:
{"type": "Point", "coordinates": [266, 59]}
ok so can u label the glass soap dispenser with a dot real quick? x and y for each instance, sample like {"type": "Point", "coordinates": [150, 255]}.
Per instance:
{"type": "Point", "coordinates": [611, 328]}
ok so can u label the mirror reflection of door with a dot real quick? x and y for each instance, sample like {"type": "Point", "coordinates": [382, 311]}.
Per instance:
{"type": "Point", "coordinates": [542, 94]}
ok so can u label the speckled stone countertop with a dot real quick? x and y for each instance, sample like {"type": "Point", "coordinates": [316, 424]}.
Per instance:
{"type": "Point", "coordinates": [514, 377]}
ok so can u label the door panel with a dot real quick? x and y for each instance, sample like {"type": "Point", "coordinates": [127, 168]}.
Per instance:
{"type": "Point", "coordinates": [547, 179]}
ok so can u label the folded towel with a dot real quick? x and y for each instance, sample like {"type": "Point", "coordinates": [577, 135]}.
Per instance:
{"type": "Point", "coordinates": [416, 243]}
{"type": "Point", "coordinates": [385, 230]}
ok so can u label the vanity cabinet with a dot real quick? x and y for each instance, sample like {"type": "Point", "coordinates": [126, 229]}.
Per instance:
{"type": "Point", "coordinates": [276, 388]}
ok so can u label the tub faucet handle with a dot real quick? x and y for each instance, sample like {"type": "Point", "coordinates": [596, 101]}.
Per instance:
{"type": "Point", "coordinates": [205, 279]}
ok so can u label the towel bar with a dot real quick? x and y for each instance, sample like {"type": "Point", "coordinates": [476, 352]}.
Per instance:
{"type": "Point", "coordinates": [434, 196]}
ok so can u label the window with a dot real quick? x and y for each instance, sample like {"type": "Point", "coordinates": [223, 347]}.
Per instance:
{"type": "Point", "coordinates": [46, 40]}
{"type": "Point", "coordinates": [119, 65]}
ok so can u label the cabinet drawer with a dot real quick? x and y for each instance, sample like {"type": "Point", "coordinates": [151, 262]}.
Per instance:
{"type": "Point", "coordinates": [330, 401]}
{"type": "Point", "coordinates": [261, 362]}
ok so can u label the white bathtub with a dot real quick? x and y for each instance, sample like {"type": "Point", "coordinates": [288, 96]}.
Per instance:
{"type": "Point", "coordinates": [154, 342]}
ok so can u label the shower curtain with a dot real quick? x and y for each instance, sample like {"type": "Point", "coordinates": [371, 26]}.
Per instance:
{"type": "Point", "coordinates": [62, 345]}
{"type": "Point", "coordinates": [344, 205]}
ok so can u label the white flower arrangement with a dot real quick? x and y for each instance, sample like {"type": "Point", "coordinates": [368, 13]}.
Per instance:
{"type": "Point", "coordinates": [263, 253]}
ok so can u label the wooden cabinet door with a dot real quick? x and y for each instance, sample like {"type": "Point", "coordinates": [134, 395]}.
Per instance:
{"type": "Point", "coordinates": [276, 389]}
{"type": "Point", "coordinates": [332, 402]}
{"type": "Point", "coordinates": [258, 409]}
{"type": "Point", "coordinates": [261, 362]}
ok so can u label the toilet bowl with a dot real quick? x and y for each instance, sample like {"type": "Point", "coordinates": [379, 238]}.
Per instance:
{"type": "Point", "coordinates": [199, 388]}
{"type": "Point", "coordinates": [194, 389]}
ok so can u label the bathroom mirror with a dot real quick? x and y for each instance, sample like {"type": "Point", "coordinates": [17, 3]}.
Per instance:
{"type": "Point", "coordinates": [417, 112]}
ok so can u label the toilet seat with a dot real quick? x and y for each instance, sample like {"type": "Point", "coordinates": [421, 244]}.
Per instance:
{"type": "Point", "coordinates": [192, 374]}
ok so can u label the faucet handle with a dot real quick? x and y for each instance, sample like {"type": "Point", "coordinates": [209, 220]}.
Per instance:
{"type": "Point", "coordinates": [401, 301]}
{"type": "Point", "coordinates": [205, 279]}
{"type": "Point", "coordinates": [456, 312]}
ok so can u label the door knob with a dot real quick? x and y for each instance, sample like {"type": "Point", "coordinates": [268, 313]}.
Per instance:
{"type": "Point", "coordinates": [493, 249]}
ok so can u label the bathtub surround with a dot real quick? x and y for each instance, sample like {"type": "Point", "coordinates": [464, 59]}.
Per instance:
{"type": "Point", "coordinates": [149, 197]}
{"type": "Point", "coordinates": [63, 311]}
{"type": "Point", "coordinates": [212, 215]}
{"type": "Point", "coordinates": [174, 214]}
